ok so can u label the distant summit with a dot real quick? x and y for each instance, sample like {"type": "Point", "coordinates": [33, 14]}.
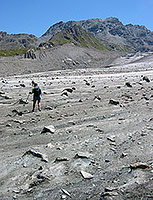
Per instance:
{"type": "Point", "coordinates": [75, 35]}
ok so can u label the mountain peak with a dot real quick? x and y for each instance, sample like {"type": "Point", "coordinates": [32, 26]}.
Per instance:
{"type": "Point", "coordinates": [75, 35]}
{"type": "Point", "coordinates": [110, 30]}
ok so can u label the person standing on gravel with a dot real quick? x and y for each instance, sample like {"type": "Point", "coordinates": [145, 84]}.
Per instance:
{"type": "Point", "coordinates": [36, 91]}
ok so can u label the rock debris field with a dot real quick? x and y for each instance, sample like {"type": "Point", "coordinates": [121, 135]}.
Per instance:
{"type": "Point", "coordinates": [92, 139]}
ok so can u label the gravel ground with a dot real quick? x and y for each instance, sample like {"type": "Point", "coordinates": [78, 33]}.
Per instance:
{"type": "Point", "coordinates": [99, 145]}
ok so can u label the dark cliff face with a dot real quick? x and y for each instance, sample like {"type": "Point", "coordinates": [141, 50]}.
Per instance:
{"type": "Point", "coordinates": [110, 30]}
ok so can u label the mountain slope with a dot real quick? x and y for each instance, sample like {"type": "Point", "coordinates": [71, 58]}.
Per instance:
{"type": "Point", "coordinates": [77, 36]}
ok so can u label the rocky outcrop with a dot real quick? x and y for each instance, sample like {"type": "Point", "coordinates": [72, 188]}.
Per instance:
{"type": "Point", "coordinates": [30, 54]}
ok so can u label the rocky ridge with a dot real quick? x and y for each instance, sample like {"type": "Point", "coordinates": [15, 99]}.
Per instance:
{"type": "Point", "coordinates": [111, 31]}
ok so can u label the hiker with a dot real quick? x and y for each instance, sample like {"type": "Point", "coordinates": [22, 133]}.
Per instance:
{"type": "Point", "coordinates": [36, 91]}
{"type": "Point", "coordinates": [33, 83]}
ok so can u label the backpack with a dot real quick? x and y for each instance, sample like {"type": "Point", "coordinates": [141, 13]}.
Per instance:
{"type": "Point", "coordinates": [37, 91]}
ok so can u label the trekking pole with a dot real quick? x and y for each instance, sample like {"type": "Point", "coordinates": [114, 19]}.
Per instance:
{"type": "Point", "coordinates": [27, 97]}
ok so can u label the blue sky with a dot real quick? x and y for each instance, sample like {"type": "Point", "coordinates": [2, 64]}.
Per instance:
{"type": "Point", "coordinates": [36, 16]}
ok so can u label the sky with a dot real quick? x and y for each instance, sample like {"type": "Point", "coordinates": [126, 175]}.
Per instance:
{"type": "Point", "coordinates": [36, 16]}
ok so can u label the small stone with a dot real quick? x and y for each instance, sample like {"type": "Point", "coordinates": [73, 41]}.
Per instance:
{"type": "Point", "coordinates": [68, 90]}
{"type": "Point", "coordinates": [113, 102]}
{"type": "Point", "coordinates": [48, 108]}
{"type": "Point", "coordinates": [24, 165]}
{"type": "Point", "coordinates": [21, 101]}
{"type": "Point", "coordinates": [16, 191]}
{"type": "Point", "coordinates": [22, 85]}
{"type": "Point", "coordinates": [99, 130]}
{"type": "Point", "coordinates": [145, 78]}
{"type": "Point", "coordinates": [123, 155]}
{"type": "Point", "coordinates": [64, 93]}
{"type": "Point", "coordinates": [19, 121]}
{"type": "Point", "coordinates": [128, 84]}
{"type": "Point", "coordinates": [71, 123]}
{"type": "Point", "coordinates": [8, 125]}
{"type": "Point", "coordinates": [113, 149]}
{"type": "Point", "coordinates": [86, 175]}
{"type": "Point", "coordinates": [140, 165]}
{"type": "Point", "coordinates": [87, 83]}
{"type": "Point", "coordinates": [82, 155]}
{"type": "Point", "coordinates": [111, 138]}
{"type": "Point", "coordinates": [37, 154]}
{"type": "Point", "coordinates": [109, 189]}
{"type": "Point", "coordinates": [30, 135]}
{"type": "Point", "coordinates": [50, 129]}
{"type": "Point", "coordinates": [66, 192]}
{"type": "Point", "coordinates": [60, 159]}
{"type": "Point", "coordinates": [97, 98]}
{"type": "Point", "coordinates": [108, 194]}
{"type": "Point", "coordinates": [49, 145]}
{"type": "Point", "coordinates": [63, 196]}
